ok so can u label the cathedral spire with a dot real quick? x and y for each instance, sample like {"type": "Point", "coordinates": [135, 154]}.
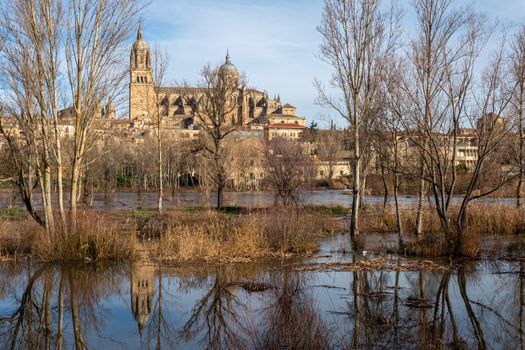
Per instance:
{"type": "Point", "coordinates": [228, 58]}
{"type": "Point", "coordinates": [139, 32]}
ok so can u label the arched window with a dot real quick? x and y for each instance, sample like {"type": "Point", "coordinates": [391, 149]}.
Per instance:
{"type": "Point", "coordinates": [138, 79]}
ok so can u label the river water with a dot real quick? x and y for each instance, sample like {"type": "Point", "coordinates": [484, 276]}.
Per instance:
{"type": "Point", "coordinates": [309, 303]}
{"type": "Point", "coordinates": [132, 200]}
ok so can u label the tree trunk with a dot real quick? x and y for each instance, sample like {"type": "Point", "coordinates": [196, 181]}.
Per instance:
{"type": "Point", "coordinates": [161, 185]}
{"type": "Point", "coordinates": [362, 191]}
{"type": "Point", "coordinates": [398, 213]}
{"type": "Point", "coordinates": [50, 223]}
{"type": "Point", "coordinates": [420, 209]}
{"type": "Point", "coordinates": [60, 181]}
{"type": "Point", "coordinates": [356, 185]}
{"type": "Point", "coordinates": [73, 195]}
{"type": "Point", "coordinates": [385, 192]}
{"type": "Point", "coordinates": [220, 196]}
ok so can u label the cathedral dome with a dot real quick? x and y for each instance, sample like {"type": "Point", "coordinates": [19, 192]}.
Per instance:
{"type": "Point", "coordinates": [140, 44]}
{"type": "Point", "coordinates": [228, 66]}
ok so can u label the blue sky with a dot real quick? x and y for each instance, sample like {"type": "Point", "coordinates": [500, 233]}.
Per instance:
{"type": "Point", "coordinates": [274, 43]}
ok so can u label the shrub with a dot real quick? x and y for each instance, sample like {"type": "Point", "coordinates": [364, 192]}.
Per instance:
{"type": "Point", "coordinates": [97, 238]}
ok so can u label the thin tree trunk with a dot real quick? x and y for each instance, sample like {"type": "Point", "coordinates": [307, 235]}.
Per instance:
{"type": "Point", "coordinates": [73, 195]}
{"type": "Point", "coordinates": [521, 160]}
{"type": "Point", "coordinates": [49, 205]}
{"type": "Point", "coordinates": [356, 186]}
{"type": "Point", "coordinates": [220, 196]}
{"type": "Point", "coordinates": [420, 205]}
{"type": "Point", "coordinates": [385, 192]}
{"type": "Point", "coordinates": [398, 212]}
{"type": "Point", "coordinates": [161, 185]}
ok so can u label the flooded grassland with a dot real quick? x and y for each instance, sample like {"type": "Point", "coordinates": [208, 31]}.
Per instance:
{"type": "Point", "coordinates": [331, 300]}
{"type": "Point", "coordinates": [173, 292]}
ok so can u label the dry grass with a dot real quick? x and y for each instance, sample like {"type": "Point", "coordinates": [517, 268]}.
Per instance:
{"type": "Point", "coordinates": [208, 236]}
{"type": "Point", "coordinates": [484, 220]}
{"type": "Point", "coordinates": [18, 237]}
{"type": "Point", "coordinates": [211, 236]}
{"type": "Point", "coordinates": [202, 235]}
{"type": "Point", "coordinates": [97, 238]}
{"type": "Point", "coordinates": [496, 219]}
{"type": "Point", "coordinates": [199, 235]}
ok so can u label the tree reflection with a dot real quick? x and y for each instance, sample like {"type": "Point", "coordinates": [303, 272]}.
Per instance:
{"type": "Point", "coordinates": [246, 307]}
{"type": "Point", "coordinates": [383, 314]}
{"type": "Point", "coordinates": [37, 321]}
{"type": "Point", "coordinates": [290, 319]}
{"type": "Point", "coordinates": [215, 317]}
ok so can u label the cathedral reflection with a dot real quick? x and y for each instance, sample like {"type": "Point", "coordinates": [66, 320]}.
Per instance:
{"type": "Point", "coordinates": [142, 289]}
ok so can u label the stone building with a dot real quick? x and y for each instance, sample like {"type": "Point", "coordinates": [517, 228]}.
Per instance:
{"type": "Point", "coordinates": [255, 108]}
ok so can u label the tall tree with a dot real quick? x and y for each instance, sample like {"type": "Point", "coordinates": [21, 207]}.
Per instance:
{"type": "Point", "coordinates": [30, 66]}
{"type": "Point", "coordinates": [161, 103]}
{"type": "Point", "coordinates": [215, 113]}
{"type": "Point", "coordinates": [517, 74]}
{"type": "Point", "coordinates": [357, 39]}
{"type": "Point", "coordinates": [96, 32]}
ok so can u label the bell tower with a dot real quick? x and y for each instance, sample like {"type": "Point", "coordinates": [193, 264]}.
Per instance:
{"type": "Point", "coordinates": [141, 83]}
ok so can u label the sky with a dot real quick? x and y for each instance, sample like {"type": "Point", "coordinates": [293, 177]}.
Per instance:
{"type": "Point", "coordinates": [275, 43]}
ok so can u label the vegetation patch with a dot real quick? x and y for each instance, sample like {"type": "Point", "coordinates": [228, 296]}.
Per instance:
{"type": "Point", "coordinates": [378, 264]}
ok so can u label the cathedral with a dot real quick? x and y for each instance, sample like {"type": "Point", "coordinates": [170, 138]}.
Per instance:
{"type": "Point", "coordinates": [255, 108]}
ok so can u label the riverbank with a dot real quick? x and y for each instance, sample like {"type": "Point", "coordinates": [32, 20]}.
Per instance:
{"type": "Point", "coordinates": [192, 234]}
{"type": "Point", "coordinates": [200, 234]}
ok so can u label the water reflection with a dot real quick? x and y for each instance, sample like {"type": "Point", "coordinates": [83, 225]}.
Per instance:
{"type": "Point", "coordinates": [261, 306]}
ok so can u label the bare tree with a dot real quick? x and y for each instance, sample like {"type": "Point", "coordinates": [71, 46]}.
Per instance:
{"type": "Point", "coordinates": [215, 115]}
{"type": "Point", "coordinates": [96, 33]}
{"type": "Point", "coordinates": [357, 39]}
{"type": "Point", "coordinates": [288, 170]}
{"type": "Point", "coordinates": [329, 145]}
{"type": "Point", "coordinates": [160, 65]}
{"type": "Point", "coordinates": [30, 74]}
{"type": "Point", "coordinates": [439, 96]}
{"type": "Point", "coordinates": [517, 76]}
{"type": "Point", "coordinates": [442, 53]}
{"type": "Point", "coordinates": [387, 142]}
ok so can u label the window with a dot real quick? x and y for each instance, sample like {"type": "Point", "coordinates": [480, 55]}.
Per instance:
{"type": "Point", "coordinates": [321, 173]}
{"type": "Point", "coordinates": [341, 173]}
